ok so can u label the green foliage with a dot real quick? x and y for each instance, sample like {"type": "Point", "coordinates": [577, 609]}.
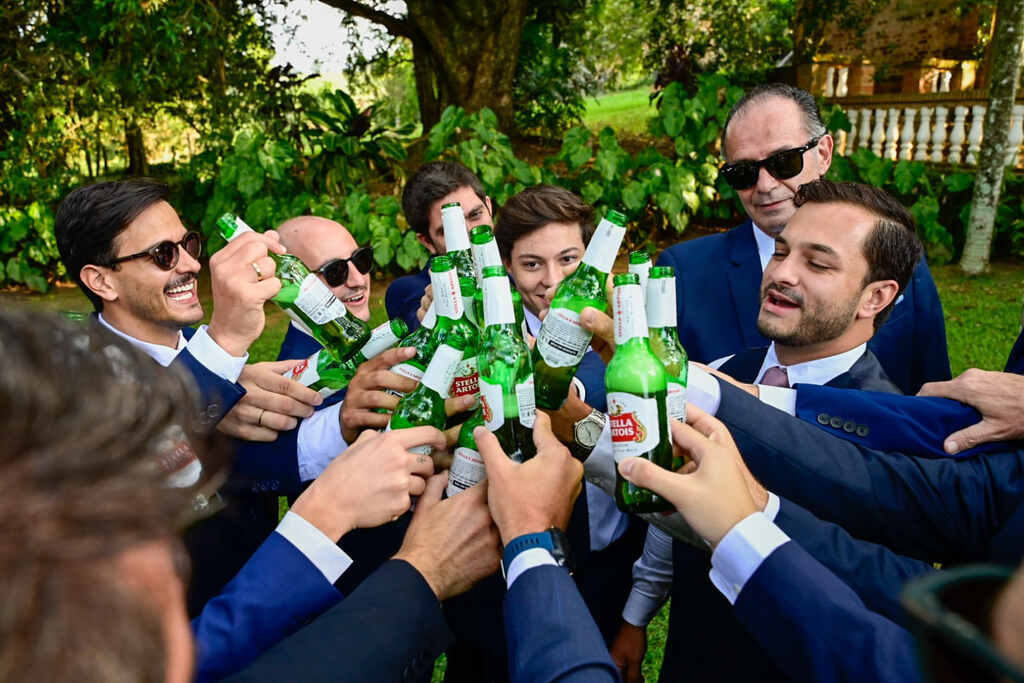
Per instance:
{"type": "Point", "coordinates": [550, 84]}
{"type": "Point", "coordinates": [28, 248]}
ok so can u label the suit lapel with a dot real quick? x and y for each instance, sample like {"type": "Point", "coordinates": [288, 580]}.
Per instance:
{"type": "Point", "coordinates": [745, 282]}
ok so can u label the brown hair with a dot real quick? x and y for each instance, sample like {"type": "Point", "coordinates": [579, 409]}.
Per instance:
{"type": "Point", "coordinates": [85, 419]}
{"type": "Point", "coordinates": [431, 182]}
{"type": "Point", "coordinates": [537, 206]}
{"type": "Point", "coordinates": [892, 249]}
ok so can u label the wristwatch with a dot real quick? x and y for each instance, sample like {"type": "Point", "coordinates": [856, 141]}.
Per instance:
{"type": "Point", "coordinates": [553, 540]}
{"type": "Point", "coordinates": [586, 433]}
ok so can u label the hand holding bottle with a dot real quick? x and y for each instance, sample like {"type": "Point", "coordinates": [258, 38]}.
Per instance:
{"type": "Point", "coordinates": [272, 403]}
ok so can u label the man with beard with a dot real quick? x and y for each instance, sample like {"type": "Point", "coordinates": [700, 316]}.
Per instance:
{"type": "Point", "coordinates": [837, 269]}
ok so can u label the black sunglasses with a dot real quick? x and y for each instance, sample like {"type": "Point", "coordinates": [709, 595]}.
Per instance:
{"type": "Point", "coordinates": [335, 271]}
{"type": "Point", "coordinates": [782, 165]}
{"type": "Point", "coordinates": [165, 254]}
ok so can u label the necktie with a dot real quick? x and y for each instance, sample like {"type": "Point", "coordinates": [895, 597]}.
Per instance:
{"type": "Point", "coordinates": [775, 376]}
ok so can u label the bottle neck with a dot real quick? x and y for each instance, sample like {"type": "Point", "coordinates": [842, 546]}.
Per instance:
{"type": "Point", "coordinates": [232, 227]}
{"type": "Point", "coordinates": [630, 320]}
{"type": "Point", "coordinates": [430, 317]}
{"type": "Point", "coordinates": [456, 235]}
{"type": "Point", "coordinates": [447, 295]}
{"type": "Point", "coordinates": [439, 373]}
{"type": "Point", "coordinates": [498, 307]}
{"type": "Point", "coordinates": [661, 302]}
{"type": "Point", "coordinates": [604, 246]}
{"type": "Point", "coordinates": [485, 255]}
{"type": "Point", "coordinates": [382, 338]}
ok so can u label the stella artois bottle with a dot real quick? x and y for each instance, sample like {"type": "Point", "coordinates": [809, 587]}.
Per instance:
{"type": "Point", "coordinates": [485, 251]}
{"type": "Point", "coordinates": [421, 339]}
{"type": "Point", "coordinates": [468, 289]}
{"type": "Point", "coordinates": [307, 300]}
{"type": "Point", "coordinates": [467, 468]}
{"type": "Point", "coordinates": [636, 383]}
{"type": "Point", "coordinates": [562, 340]}
{"type": "Point", "coordinates": [456, 240]}
{"type": "Point", "coordinates": [661, 323]}
{"type": "Point", "coordinates": [640, 264]}
{"type": "Point", "coordinates": [424, 405]}
{"type": "Point", "coordinates": [323, 373]}
{"type": "Point", "coordinates": [452, 323]}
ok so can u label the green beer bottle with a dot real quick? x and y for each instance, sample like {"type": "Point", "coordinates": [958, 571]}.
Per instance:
{"type": "Point", "coordinates": [484, 249]}
{"type": "Point", "coordinates": [468, 289]}
{"type": "Point", "coordinates": [636, 382]}
{"type": "Point", "coordinates": [661, 323]}
{"type": "Point", "coordinates": [562, 341]}
{"type": "Point", "coordinates": [506, 371]}
{"type": "Point", "coordinates": [421, 339]}
{"type": "Point", "coordinates": [452, 323]}
{"type": "Point", "coordinates": [307, 300]}
{"type": "Point", "coordinates": [467, 468]}
{"type": "Point", "coordinates": [640, 264]}
{"type": "Point", "coordinates": [321, 372]}
{"type": "Point", "coordinates": [424, 405]}
{"type": "Point", "coordinates": [456, 239]}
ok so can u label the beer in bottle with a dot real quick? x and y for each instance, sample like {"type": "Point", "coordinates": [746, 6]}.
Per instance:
{"type": "Point", "coordinates": [562, 340]}
{"type": "Point", "coordinates": [456, 239]}
{"type": "Point", "coordinates": [468, 289]}
{"type": "Point", "coordinates": [661, 323]}
{"type": "Point", "coordinates": [452, 323]}
{"type": "Point", "coordinates": [485, 250]}
{"type": "Point", "coordinates": [424, 405]}
{"type": "Point", "coordinates": [640, 263]}
{"type": "Point", "coordinates": [321, 372]}
{"type": "Point", "coordinates": [308, 301]}
{"type": "Point", "coordinates": [636, 383]}
{"type": "Point", "coordinates": [421, 339]}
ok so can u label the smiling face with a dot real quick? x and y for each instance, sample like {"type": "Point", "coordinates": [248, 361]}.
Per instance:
{"type": "Point", "coordinates": [760, 130]}
{"type": "Point", "coordinates": [477, 212]}
{"type": "Point", "coordinates": [813, 294]}
{"type": "Point", "coordinates": [540, 260]}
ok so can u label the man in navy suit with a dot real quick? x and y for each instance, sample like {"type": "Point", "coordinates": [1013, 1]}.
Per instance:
{"type": "Point", "coordinates": [432, 186]}
{"type": "Point", "coordinates": [774, 141]}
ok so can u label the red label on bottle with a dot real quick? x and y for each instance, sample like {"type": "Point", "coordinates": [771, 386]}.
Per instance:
{"type": "Point", "coordinates": [467, 379]}
{"type": "Point", "coordinates": [626, 428]}
{"type": "Point", "coordinates": [300, 368]}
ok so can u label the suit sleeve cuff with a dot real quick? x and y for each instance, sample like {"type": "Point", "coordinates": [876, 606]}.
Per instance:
{"type": "Point", "coordinates": [526, 560]}
{"type": "Point", "coordinates": [702, 390]}
{"type": "Point", "coordinates": [324, 553]}
{"type": "Point", "coordinates": [778, 397]}
{"type": "Point", "coordinates": [771, 508]}
{"type": "Point", "coordinates": [214, 358]}
{"type": "Point", "coordinates": [741, 552]}
{"type": "Point", "coordinates": [319, 441]}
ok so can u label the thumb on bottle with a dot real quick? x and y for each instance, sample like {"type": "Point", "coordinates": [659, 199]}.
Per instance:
{"type": "Point", "coordinates": [494, 457]}
{"type": "Point", "coordinates": [646, 474]}
{"type": "Point", "coordinates": [432, 493]}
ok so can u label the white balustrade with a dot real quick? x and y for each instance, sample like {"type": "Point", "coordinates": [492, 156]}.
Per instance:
{"type": "Point", "coordinates": [864, 138]}
{"type": "Point", "coordinates": [939, 133]}
{"type": "Point", "coordinates": [830, 74]}
{"type": "Point", "coordinates": [924, 134]}
{"type": "Point", "coordinates": [958, 135]}
{"type": "Point", "coordinates": [841, 86]}
{"type": "Point", "coordinates": [878, 135]}
{"type": "Point", "coordinates": [1016, 134]}
{"type": "Point", "coordinates": [974, 137]}
{"type": "Point", "coordinates": [892, 134]}
{"type": "Point", "coordinates": [907, 134]}
{"type": "Point", "coordinates": [851, 138]}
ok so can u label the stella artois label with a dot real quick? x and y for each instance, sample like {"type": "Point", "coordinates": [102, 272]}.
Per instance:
{"type": "Point", "coordinates": [467, 470]}
{"type": "Point", "coordinates": [562, 340]}
{"type": "Point", "coordinates": [675, 401]}
{"type": "Point", "coordinates": [527, 402]}
{"type": "Point", "coordinates": [317, 301]}
{"type": "Point", "coordinates": [493, 405]}
{"type": "Point", "coordinates": [466, 381]}
{"type": "Point", "coordinates": [304, 371]}
{"type": "Point", "coordinates": [634, 424]}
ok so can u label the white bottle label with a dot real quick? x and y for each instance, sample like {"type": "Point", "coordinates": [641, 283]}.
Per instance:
{"type": "Point", "coordinates": [467, 470]}
{"type": "Point", "coordinates": [493, 405]}
{"type": "Point", "coordinates": [316, 300]}
{"type": "Point", "coordinates": [456, 234]}
{"type": "Point", "coordinates": [430, 317]}
{"type": "Point", "coordinates": [305, 371]}
{"type": "Point", "coordinates": [485, 255]}
{"type": "Point", "coordinates": [498, 306]}
{"type": "Point", "coordinates": [634, 424]}
{"type": "Point", "coordinates": [466, 380]}
{"type": "Point", "coordinates": [408, 370]}
{"type": "Point", "coordinates": [604, 246]}
{"type": "Point", "coordinates": [562, 340]}
{"type": "Point", "coordinates": [527, 402]}
{"type": "Point", "coordinates": [447, 297]}
{"type": "Point", "coordinates": [628, 313]}
{"type": "Point", "coordinates": [241, 227]}
{"type": "Point", "coordinates": [641, 270]}
{"type": "Point", "coordinates": [661, 302]}
{"type": "Point", "coordinates": [382, 338]}
{"type": "Point", "coordinates": [675, 401]}
{"type": "Point", "coordinates": [441, 371]}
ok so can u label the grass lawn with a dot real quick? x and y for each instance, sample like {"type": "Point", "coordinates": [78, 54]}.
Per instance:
{"type": "Point", "coordinates": [626, 111]}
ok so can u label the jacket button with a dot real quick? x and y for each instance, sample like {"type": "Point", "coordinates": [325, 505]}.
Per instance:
{"type": "Point", "coordinates": [849, 426]}
{"type": "Point", "coordinates": [836, 422]}
{"type": "Point", "coordinates": [862, 430]}
{"type": "Point", "coordinates": [823, 418]}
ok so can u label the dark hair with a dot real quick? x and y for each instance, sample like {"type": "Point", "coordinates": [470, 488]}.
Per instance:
{"type": "Point", "coordinates": [813, 125]}
{"type": "Point", "coordinates": [83, 479]}
{"type": "Point", "coordinates": [537, 206]}
{"type": "Point", "coordinates": [90, 219]}
{"type": "Point", "coordinates": [431, 182]}
{"type": "Point", "coordinates": [892, 249]}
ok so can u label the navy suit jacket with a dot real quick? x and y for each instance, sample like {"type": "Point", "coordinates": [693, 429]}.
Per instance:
{"type": "Point", "coordinates": [402, 299]}
{"type": "Point", "coordinates": [389, 629]}
{"type": "Point", "coordinates": [277, 591]}
{"type": "Point", "coordinates": [816, 628]}
{"type": "Point", "coordinates": [1015, 363]}
{"type": "Point", "coordinates": [550, 633]}
{"type": "Point", "coordinates": [718, 318]}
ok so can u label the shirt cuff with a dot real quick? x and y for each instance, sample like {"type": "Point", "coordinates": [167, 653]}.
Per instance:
{"type": "Point", "coordinates": [528, 559]}
{"type": "Point", "coordinates": [319, 441]}
{"type": "Point", "coordinates": [640, 609]}
{"type": "Point", "coordinates": [778, 397]}
{"type": "Point", "coordinates": [324, 553]}
{"type": "Point", "coordinates": [771, 508]}
{"type": "Point", "coordinates": [581, 388]}
{"type": "Point", "coordinates": [741, 552]}
{"type": "Point", "coordinates": [218, 361]}
{"type": "Point", "coordinates": [702, 389]}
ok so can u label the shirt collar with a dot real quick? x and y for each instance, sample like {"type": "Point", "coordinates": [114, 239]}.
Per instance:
{"type": "Point", "coordinates": [820, 371]}
{"type": "Point", "coordinates": [765, 245]}
{"type": "Point", "coordinates": [163, 355]}
{"type": "Point", "coordinates": [532, 321]}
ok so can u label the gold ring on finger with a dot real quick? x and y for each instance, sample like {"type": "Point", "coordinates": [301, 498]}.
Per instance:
{"type": "Point", "coordinates": [259, 273]}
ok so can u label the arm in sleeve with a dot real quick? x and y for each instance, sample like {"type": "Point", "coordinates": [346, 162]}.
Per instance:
{"type": "Point", "coordinates": [652, 579]}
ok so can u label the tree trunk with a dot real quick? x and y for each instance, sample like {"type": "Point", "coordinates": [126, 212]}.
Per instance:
{"type": "Point", "coordinates": [136, 148]}
{"type": "Point", "coordinates": [1005, 51]}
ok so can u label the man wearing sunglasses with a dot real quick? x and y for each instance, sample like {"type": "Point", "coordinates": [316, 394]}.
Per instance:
{"type": "Point", "coordinates": [773, 142]}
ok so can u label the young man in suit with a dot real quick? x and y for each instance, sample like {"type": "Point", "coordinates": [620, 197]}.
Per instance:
{"type": "Point", "coordinates": [432, 186]}
{"type": "Point", "coordinates": [774, 141]}
{"type": "Point", "coordinates": [838, 267]}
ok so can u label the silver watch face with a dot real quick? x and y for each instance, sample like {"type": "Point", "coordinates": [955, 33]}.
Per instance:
{"type": "Point", "coordinates": [588, 431]}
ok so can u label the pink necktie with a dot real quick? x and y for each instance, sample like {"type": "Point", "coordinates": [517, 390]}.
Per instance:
{"type": "Point", "coordinates": [775, 376]}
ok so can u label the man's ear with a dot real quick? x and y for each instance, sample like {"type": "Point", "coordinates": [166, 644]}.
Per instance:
{"type": "Point", "coordinates": [876, 296]}
{"type": "Point", "coordinates": [98, 280]}
{"type": "Point", "coordinates": [824, 152]}
{"type": "Point", "coordinates": [425, 241]}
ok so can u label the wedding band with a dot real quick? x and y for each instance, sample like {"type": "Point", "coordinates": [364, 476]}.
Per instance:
{"type": "Point", "coordinates": [259, 273]}
{"type": "Point", "coordinates": [259, 419]}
